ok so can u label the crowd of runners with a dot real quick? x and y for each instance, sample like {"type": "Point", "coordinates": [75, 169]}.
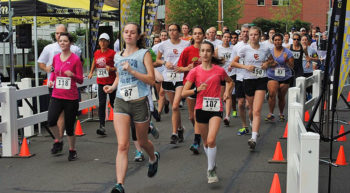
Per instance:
{"type": "Point", "coordinates": [218, 74]}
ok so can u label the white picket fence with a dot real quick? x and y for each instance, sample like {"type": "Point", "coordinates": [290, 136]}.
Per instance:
{"type": "Point", "coordinates": [302, 146]}
{"type": "Point", "coordinates": [10, 123]}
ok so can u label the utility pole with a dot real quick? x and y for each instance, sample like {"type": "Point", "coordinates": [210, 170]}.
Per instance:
{"type": "Point", "coordinates": [220, 15]}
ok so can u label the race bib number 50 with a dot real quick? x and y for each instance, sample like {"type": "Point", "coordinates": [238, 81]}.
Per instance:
{"type": "Point", "coordinates": [259, 72]}
{"type": "Point", "coordinates": [63, 83]}
{"type": "Point", "coordinates": [211, 104]}
{"type": "Point", "coordinates": [129, 93]}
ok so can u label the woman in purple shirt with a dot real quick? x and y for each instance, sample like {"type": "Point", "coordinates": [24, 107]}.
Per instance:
{"type": "Point", "coordinates": [67, 72]}
{"type": "Point", "coordinates": [280, 76]}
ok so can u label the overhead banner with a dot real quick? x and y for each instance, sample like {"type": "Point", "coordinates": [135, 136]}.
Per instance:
{"type": "Point", "coordinates": [124, 13]}
{"type": "Point", "coordinates": [345, 59]}
{"type": "Point", "coordinates": [95, 11]}
{"type": "Point", "coordinates": [149, 17]}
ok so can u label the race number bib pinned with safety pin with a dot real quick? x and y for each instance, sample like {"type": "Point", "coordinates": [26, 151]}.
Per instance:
{"type": "Point", "coordinates": [173, 76]}
{"type": "Point", "coordinates": [280, 72]}
{"type": "Point", "coordinates": [211, 104]}
{"type": "Point", "coordinates": [259, 72]}
{"type": "Point", "coordinates": [63, 82]}
{"type": "Point", "coordinates": [129, 93]}
{"type": "Point", "coordinates": [102, 73]}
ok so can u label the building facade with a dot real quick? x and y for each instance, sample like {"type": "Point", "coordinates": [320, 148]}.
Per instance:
{"type": "Point", "coordinates": [312, 11]}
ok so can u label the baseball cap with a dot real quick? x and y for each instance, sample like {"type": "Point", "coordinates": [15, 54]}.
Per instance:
{"type": "Point", "coordinates": [219, 33]}
{"type": "Point", "coordinates": [104, 36]}
{"type": "Point", "coordinates": [302, 29]}
{"type": "Point", "coordinates": [293, 28]}
{"type": "Point", "coordinates": [238, 31]}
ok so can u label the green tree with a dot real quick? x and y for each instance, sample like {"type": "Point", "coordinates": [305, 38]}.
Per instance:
{"type": "Point", "coordinates": [203, 12]}
{"type": "Point", "coordinates": [135, 11]}
{"type": "Point", "coordinates": [287, 12]}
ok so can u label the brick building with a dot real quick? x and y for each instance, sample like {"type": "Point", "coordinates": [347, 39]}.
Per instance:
{"type": "Point", "coordinates": [313, 11]}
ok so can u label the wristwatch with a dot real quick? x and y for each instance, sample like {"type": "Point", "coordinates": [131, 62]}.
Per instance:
{"type": "Point", "coordinates": [195, 90]}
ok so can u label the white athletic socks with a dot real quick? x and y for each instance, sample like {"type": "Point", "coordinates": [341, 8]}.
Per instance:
{"type": "Point", "coordinates": [211, 158]}
{"type": "Point", "coordinates": [205, 150]}
{"type": "Point", "coordinates": [254, 135]}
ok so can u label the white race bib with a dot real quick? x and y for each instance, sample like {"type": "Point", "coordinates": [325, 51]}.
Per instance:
{"type": "Point", "coordinates": [173, 76]}
{"type": "Point", "coordinates": [129, 93]}
{"type": "Point", "coordinates": [211, 104]}
{"type": "Point", "coordinates": [102, 73]}
{"type": "Point", "coordinates": [259, 72]}
{"type": "Point", "coordinates": [280, 72]}
{"type": "Point", "coordinates": [63, 82]}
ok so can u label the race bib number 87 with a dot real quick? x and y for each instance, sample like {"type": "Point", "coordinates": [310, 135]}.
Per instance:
{"type": "Point", "coordinates": [63, 83]}
{"type": "Point", "coordinates": [129, 93]}
{"type": "Point", "coordinates": [211, 104]}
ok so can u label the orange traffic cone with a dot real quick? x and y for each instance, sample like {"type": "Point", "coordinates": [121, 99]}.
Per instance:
{"type": "Point", "coordinates": [325, 105]}
{"type": "Point", "coordinates": [109, 104]}
{"type": "Point", "coordinates": [275, 186]}
{"type": "Point", "coordinates": [348, 100]}
{"type": "Point", "coordinates": [307, 116]}
{"type": "Point", "coordinates": [94, 107]}
{"type": "Point", "coordinates": [84, 111]}
{"type": "Point", "coordinates": [24, 149]}
{"type": "Point", "coordinates": [78, 130]}
{"type": "Point", "coordinates": [341, 157]}
{"type": "Point", "coordinates": [278, 155]}
{"type": "Point", "coordinates": [110, 118]}
{"type": "Point", "coordinates": [341, 131]}
{"type": "Point", "coordinates": [285, 134]}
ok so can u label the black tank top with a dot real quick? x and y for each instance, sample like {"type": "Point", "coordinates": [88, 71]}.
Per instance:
{"type": "Point", "coordinates": [298, 61]}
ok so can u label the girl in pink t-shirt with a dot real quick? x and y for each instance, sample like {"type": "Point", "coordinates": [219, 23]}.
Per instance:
{"type": "Point", "coordinates": [68, 71]}
{"type": "Point", "coordinates": [207, 78]}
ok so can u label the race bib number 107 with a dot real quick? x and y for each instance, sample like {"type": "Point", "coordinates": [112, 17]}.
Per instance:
{"type": "Point", "coordinates": [211, 104]}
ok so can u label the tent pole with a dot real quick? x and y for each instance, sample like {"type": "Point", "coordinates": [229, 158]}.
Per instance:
{"type": "Point", "coordinates": [87, 47]}
{"type": "Point", "coordinates": [36, 68]}
{"type": "Point", "coordinates": [12, 76]}
{"type": "Point", "coordinates": [4, 70]}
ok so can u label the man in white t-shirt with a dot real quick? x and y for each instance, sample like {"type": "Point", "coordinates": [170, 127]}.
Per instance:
{"type": "Point", "coordinates": [45, 64]}
{"type": "Point", "coordinates": [211, 37]}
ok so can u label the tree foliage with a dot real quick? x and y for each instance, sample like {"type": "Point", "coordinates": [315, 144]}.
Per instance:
{"type": "Point", "coordinates": [203, 12]}
{"type": "Point", "coordinates": [279, 25]}
{"type": "Point", "coordinates": [288, 11]}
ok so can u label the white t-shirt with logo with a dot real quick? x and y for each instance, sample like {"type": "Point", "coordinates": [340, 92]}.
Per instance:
{"type": "Point", "coordinates": [254, 57]}
{"type": "Point", "coordinates": [225, 53]}
{"type": "Point", "coordinates": [53, 49]}
{"type": "Point", "coordinates": [155, 50]}
{"type": "Point", "coordinates": [235, 50]}
{"type": "Point", "coordinates": [171, 53]}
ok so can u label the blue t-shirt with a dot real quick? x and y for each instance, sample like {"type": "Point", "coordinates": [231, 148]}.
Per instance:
{"type": "Point", "coordinates": [135, 60]}
{"type": "Point", "coordinates": [312, 53]}
{"type": "Point", "coordinates": [281, 65]}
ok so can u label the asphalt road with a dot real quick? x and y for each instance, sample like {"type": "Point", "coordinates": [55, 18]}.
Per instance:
{"type": "Point", "coordinates": [239, 170]}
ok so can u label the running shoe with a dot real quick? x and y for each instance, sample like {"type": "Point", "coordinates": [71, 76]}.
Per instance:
{"type": "Point", "coordinates": [156, 115]}
{"type": "Point", "coordinates": [251, 123]}
{"type": "Point", "coordinates": [72, 155]}
{"type": "Point", "coordinates": [118, 188]}
{"type": "Point", "coordinates": [212, 177]}
{"type": "Point", "coordinates": [139, 157]}
{"type": "Point", "coordinates": [174, 139]}
{"type": "Point", "coordinates": [180, 133]}
{"type": "Point", "coordinates": [153, 168]}
{"type": "Point", "coordinates": [195, 148]}
{"type": "Point", "coordinates": [57, 147]}
{"type": "Point", "coordinates": [243, 131]}
{"type": "Point", "coordinates": [226, 121]}
{"type": "Point", "coordinates": [166, 107]}
{"type": "Point", "coordinates": [181, 104]}
{"type": "Point", "coordinates": [270, 117]}
{"type": "Point", "coordinates": [234, 113]}
{"type": "Point", "coordinates": [282, 118]}
{"type": "Point", "coordinates": [154, 131]}
{"type": "Point", "coordinates": [251, 143]}
{"type": "Point", "coordinates": [101, 131]}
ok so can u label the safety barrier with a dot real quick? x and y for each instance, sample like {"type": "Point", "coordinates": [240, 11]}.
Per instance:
{"type": "Point", "coordinates": [302, 146]}
{"type": "Point", "coordinates": [10, 123]}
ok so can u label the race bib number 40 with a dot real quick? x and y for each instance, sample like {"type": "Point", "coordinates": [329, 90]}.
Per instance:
{"type": "Point", "coordinates": [129, 93]}
{"type": "Point", "coordinates": [211, 104]}
{"type": "Point", "coordinates": [63, 83]}
{"type": "Point", "coordinates": [173, 76]}
{"type": "Point", "coordinates": [259, 72]}
{"type": "Point", "coordinates": [280, 72]}
{"type": "Point", "coordinates": [102, 73]}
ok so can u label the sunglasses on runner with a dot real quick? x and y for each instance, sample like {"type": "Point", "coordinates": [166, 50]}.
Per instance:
{"type": "Point", "coordinates": [296, 39]}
